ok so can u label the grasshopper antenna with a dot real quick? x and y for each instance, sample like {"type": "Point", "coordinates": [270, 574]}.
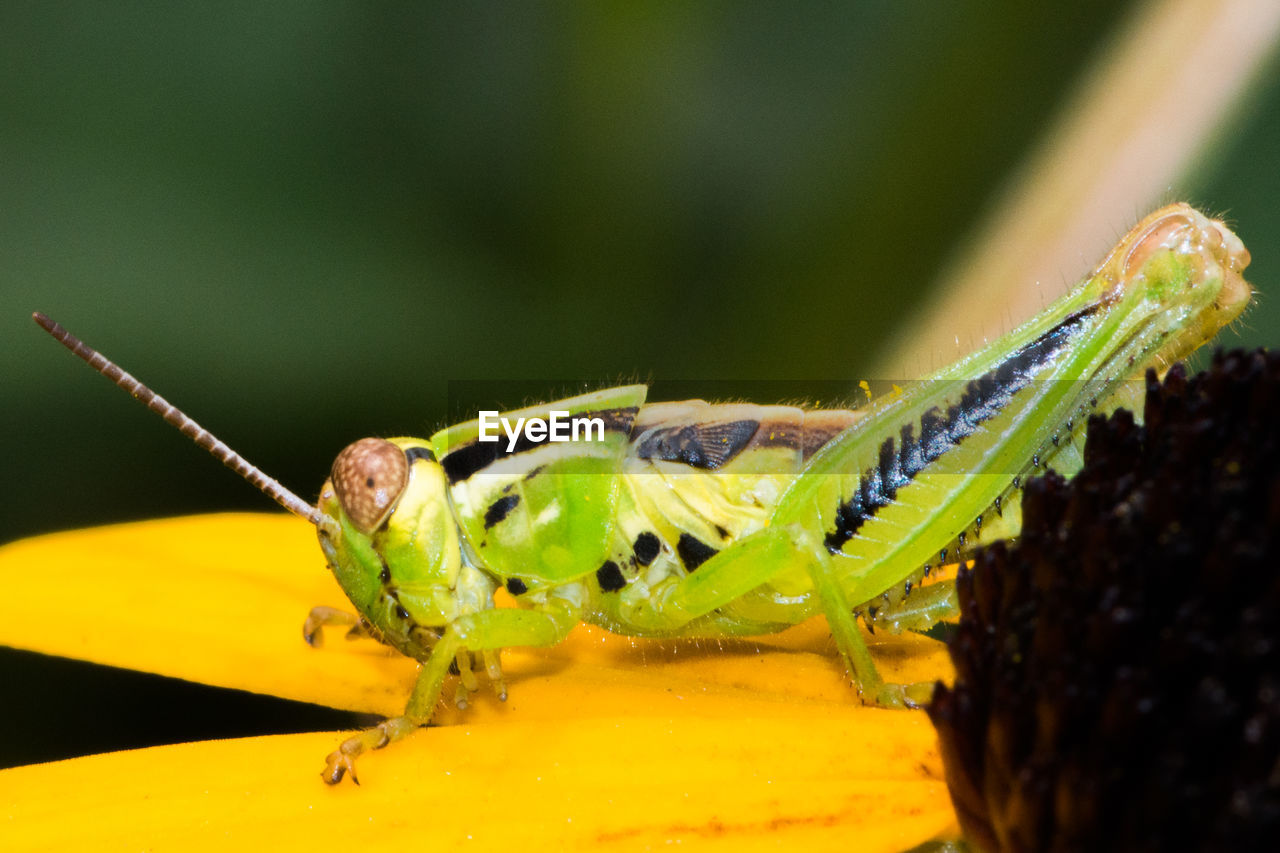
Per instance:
{"type": "Point", "coordinates": [192, 430]}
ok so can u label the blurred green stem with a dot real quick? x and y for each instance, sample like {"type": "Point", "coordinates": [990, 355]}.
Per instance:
{"type": "Point", "coordinates": [1141, 122]}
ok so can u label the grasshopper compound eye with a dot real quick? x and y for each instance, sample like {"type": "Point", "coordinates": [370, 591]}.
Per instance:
{"type": "Point", "coordinates": [369, 477]}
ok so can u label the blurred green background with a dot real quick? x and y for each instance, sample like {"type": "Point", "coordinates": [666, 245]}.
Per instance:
{"type": "Point", "coordinates": [301, 221]}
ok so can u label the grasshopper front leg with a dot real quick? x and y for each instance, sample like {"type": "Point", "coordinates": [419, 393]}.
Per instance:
{"type": "Point", "coordinates": [484, 632]}
{"type": "Point", "coordinates": [322, 617]}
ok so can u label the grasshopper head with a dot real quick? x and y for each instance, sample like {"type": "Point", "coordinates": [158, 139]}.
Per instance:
{"type": "Point", "coordinates": [383, 518]}
{"type": "Point", "coordinates": [396, 551]}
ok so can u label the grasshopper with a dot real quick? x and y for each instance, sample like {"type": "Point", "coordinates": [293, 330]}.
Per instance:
{"type": "Point", "coordinates": [691, 519]}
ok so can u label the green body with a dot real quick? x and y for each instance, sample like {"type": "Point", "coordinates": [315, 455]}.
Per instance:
{"type": "Point", "coordinates": [698, 520]}
{"type": "Point", "coordinates": [691, 519]}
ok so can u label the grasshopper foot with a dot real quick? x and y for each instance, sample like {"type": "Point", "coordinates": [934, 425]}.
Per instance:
{"type": "Point", "coordinates": [320, 617]}
{"type": "Point", "coordinates": [915, 695]}
{"type": "Point", "coordinates": [338, 764]}
{"type": "Point", "coordinates": [342, 761]}
{"type": "Point", "coordinates": [493, 668]}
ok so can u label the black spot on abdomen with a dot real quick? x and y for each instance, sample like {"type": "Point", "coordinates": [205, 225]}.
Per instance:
{"type": "Point", "coordinates": [693, 551]}
{"type": "Point", "coordinates": [609, 576]}
{"type": "Point", "coordinates": [646, 548]}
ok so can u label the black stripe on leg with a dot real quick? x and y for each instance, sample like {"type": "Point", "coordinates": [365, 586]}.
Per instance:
{"type": "Point", "coordinates": [983, 399]}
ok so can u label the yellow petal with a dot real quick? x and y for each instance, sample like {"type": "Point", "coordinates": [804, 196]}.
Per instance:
{"type": "Point", "coordinates": [626, 783]}
{"type": "Point", "coordinates": [220, 599]}
{"type": "Point", "coordinates": [605, 740]}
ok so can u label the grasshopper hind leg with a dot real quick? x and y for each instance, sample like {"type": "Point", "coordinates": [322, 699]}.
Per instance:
{"type": "Point", "coordinates": [916, 609]}
{"type": "Point", "coordinates": [872, 688]}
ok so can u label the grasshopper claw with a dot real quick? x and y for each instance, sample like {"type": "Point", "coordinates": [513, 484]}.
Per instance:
{"type": "Point", "coordinates": [319, 617]}
{"type": "Point", "coordinates": [337, 765]}
{"type": "Point", "coordinates": [343, 760]}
